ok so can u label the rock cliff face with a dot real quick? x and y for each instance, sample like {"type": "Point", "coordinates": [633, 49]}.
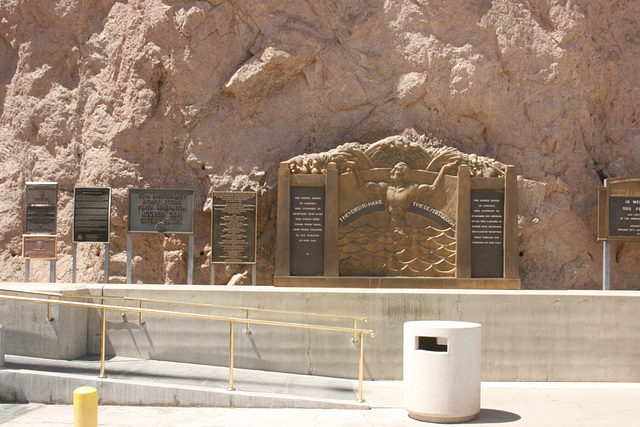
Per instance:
{"type": "Point", "coordinates": [214, 94]}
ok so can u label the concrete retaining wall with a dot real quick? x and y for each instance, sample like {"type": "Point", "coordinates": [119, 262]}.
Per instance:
{"type": "Point", "coordinates": [526, 335]}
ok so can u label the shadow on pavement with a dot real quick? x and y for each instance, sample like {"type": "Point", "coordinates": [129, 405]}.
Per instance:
{"type": "Point", "coordinates": [494, 416]}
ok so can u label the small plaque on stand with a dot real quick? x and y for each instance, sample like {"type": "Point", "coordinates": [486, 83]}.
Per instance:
{"type": "Point", "coordinates": [39, 246]}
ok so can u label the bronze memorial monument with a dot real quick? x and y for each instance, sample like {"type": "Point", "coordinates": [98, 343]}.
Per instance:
{"type": "Point", "coordinates": [397, 213]}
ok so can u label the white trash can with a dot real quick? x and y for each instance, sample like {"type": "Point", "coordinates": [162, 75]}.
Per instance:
{"type": "Point", "coordinates": [442, 370]}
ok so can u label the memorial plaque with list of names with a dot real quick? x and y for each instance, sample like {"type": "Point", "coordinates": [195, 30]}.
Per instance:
{"type": "Point", "coordinates": [161, 211]}
{"type": "Point", "coordinates": [233, 230]}
{"type": "Point", "coordinates": [91, 214]}
{"type": "Point", "coordinates": [487, 233]}
{"type": "Point", "coordinates": [307, 231]}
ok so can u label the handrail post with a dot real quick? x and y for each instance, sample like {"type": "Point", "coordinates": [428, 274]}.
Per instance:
{"type": "Point", "coordinates": [102, 344]}
{"type": "Point", "coordinates": [355, 334]}
{"type": "Point", "coordinates": [140, 320]}
{"type": "Point", "coordinates": [50, 318]}
{"type": "Point", "coordinates": [231, 388]}
{"type": "Point", "coordinates": [247, 329]}
{"type": "Point", "coordinates": [361, 370]}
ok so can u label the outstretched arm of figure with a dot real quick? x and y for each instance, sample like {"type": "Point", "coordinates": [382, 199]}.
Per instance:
{"type": "Point", "coordinates": [425, 188]}
{"type": "Point", "coordinates": [370, 186]}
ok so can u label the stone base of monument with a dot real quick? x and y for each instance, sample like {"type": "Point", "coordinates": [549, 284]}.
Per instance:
{"type": "Point", "coordinates": [395, 282]}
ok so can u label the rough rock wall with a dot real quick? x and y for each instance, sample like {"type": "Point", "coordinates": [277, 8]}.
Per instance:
{"type": "Point", "coordinates": [213, 94]}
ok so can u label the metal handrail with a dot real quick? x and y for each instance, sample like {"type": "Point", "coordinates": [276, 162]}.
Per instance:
{"type": "Point", "coordinates": [248, 310]}
{"type": "Point", "coordinates": [231, 320]}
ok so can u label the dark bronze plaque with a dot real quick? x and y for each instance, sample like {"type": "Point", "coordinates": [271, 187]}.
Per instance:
{"type": "Point", "coordinates": [234, 227]}
{"type": "Point", "coordinates": [41, 219]}
{"type": "Point", "coordinates": [487, 233]}
{"type": "Point", "coordinates": [91, 214]}
{"type": "Point", "coordinates": [43, 193]}
{"type": "Point", "coordinates": [161, 211]}
{"type": "Point", "coordinates": [307, 231]}
{"type": "Point", "coordinates": [619, 209]}
{"type": "Point", "coordinates": [624, 217]}
{"type": "Point", "coordinates": [39, 247]}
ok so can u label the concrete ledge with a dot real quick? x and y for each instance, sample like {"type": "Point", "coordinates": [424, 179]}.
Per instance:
{"type": "Point", "coordinates": [526, 335]}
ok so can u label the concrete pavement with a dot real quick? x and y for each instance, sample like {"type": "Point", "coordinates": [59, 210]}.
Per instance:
{"type": "Point", "coordinates": [509, 404]}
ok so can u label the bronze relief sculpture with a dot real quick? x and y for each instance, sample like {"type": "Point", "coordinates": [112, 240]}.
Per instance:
{"type": "Point", "coordinates": [397, 204]}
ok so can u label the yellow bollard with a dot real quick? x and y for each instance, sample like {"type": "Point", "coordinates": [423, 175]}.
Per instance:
{"type": "Point", "coordinates": [85, 407]}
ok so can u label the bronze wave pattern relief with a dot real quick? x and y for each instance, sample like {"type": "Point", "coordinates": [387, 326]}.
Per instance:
{"type": "Point", "coordinates": [381, 251]}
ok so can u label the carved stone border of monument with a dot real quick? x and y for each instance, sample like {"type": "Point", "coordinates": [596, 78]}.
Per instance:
{"type": "Point", "coordinates": [480, 226]}
{"type": "Point", "coordinates": [161, 211]}
{"type": "Point", "coordinates": [325, 237]}
{"type": "Point", "coordinates": [91, 222]}
{"type": "Point", "coordinates": [487, 238]}
{"type": "Point", "coordinates": [41, 199]}
{"type": "Point", "coordinates": [618, 217]}
{"type": "Point", "coordinates": [233, 229]}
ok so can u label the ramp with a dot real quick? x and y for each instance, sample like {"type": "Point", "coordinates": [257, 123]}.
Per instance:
{"type": "Point", "coordinates": [158, 383]}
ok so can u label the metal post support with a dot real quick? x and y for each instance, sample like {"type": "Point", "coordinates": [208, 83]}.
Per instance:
{"type": "Point", "coordinates": [106, 263]}
{"type": "Point", "coordinates": [254, 276]}
{"type": "Point", "coordinates": [27, 265]}
{"type": "Point", "coordinates": [213, 274]}
{"type": "Point", "coordinates": [50, 317]}
{"type": "Point", "coordinates": [231, 388]}
{"type": "Point", "coordinates": [606, 258]}
{"type": "Point", "coordinates": [52, 271]}
{"type": "Point", "coordinates": [361, 369]}
{"type": "Point", "coordinates": [606, 265]}
{"type": "Point", "coordinates": [103, 339]}
{"type": "Point", "coordinates": [74, 253]}
{"type": "Point", "coordinates": [129, 249]}
{"type": "Point", "coordinates": [1, 346]}
{"type": "Point", "coordinates": [190, 267]}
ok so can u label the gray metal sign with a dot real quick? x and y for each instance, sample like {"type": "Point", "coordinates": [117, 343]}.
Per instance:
{"type": "Point", "coordinates": [161, 211]}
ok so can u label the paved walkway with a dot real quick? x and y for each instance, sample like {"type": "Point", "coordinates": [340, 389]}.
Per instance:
{"type": "Point", "coordinates": [517, 404]}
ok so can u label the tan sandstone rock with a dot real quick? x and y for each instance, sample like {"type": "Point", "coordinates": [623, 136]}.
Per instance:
{"type": "Point", "coordinates": [214, 94]}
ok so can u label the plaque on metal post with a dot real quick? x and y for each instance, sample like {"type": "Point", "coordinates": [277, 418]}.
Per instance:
{"type": "Point", "coordinates": [161, 211]}
{"type": "Point", "coordinates": [619, 210]}
{"type": "Point", "coordinates": [41, 219]}
{"type": "Point", "coordinates": [41, 212]}
{"type": "Point", "coordinates": [42, 193]}
{"type": "Point", "coordinates": [91, 214]}
{"type": "Point", "coordinates": [233, 229]}
{"type": "Point", "coordinates": [39, 246]}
